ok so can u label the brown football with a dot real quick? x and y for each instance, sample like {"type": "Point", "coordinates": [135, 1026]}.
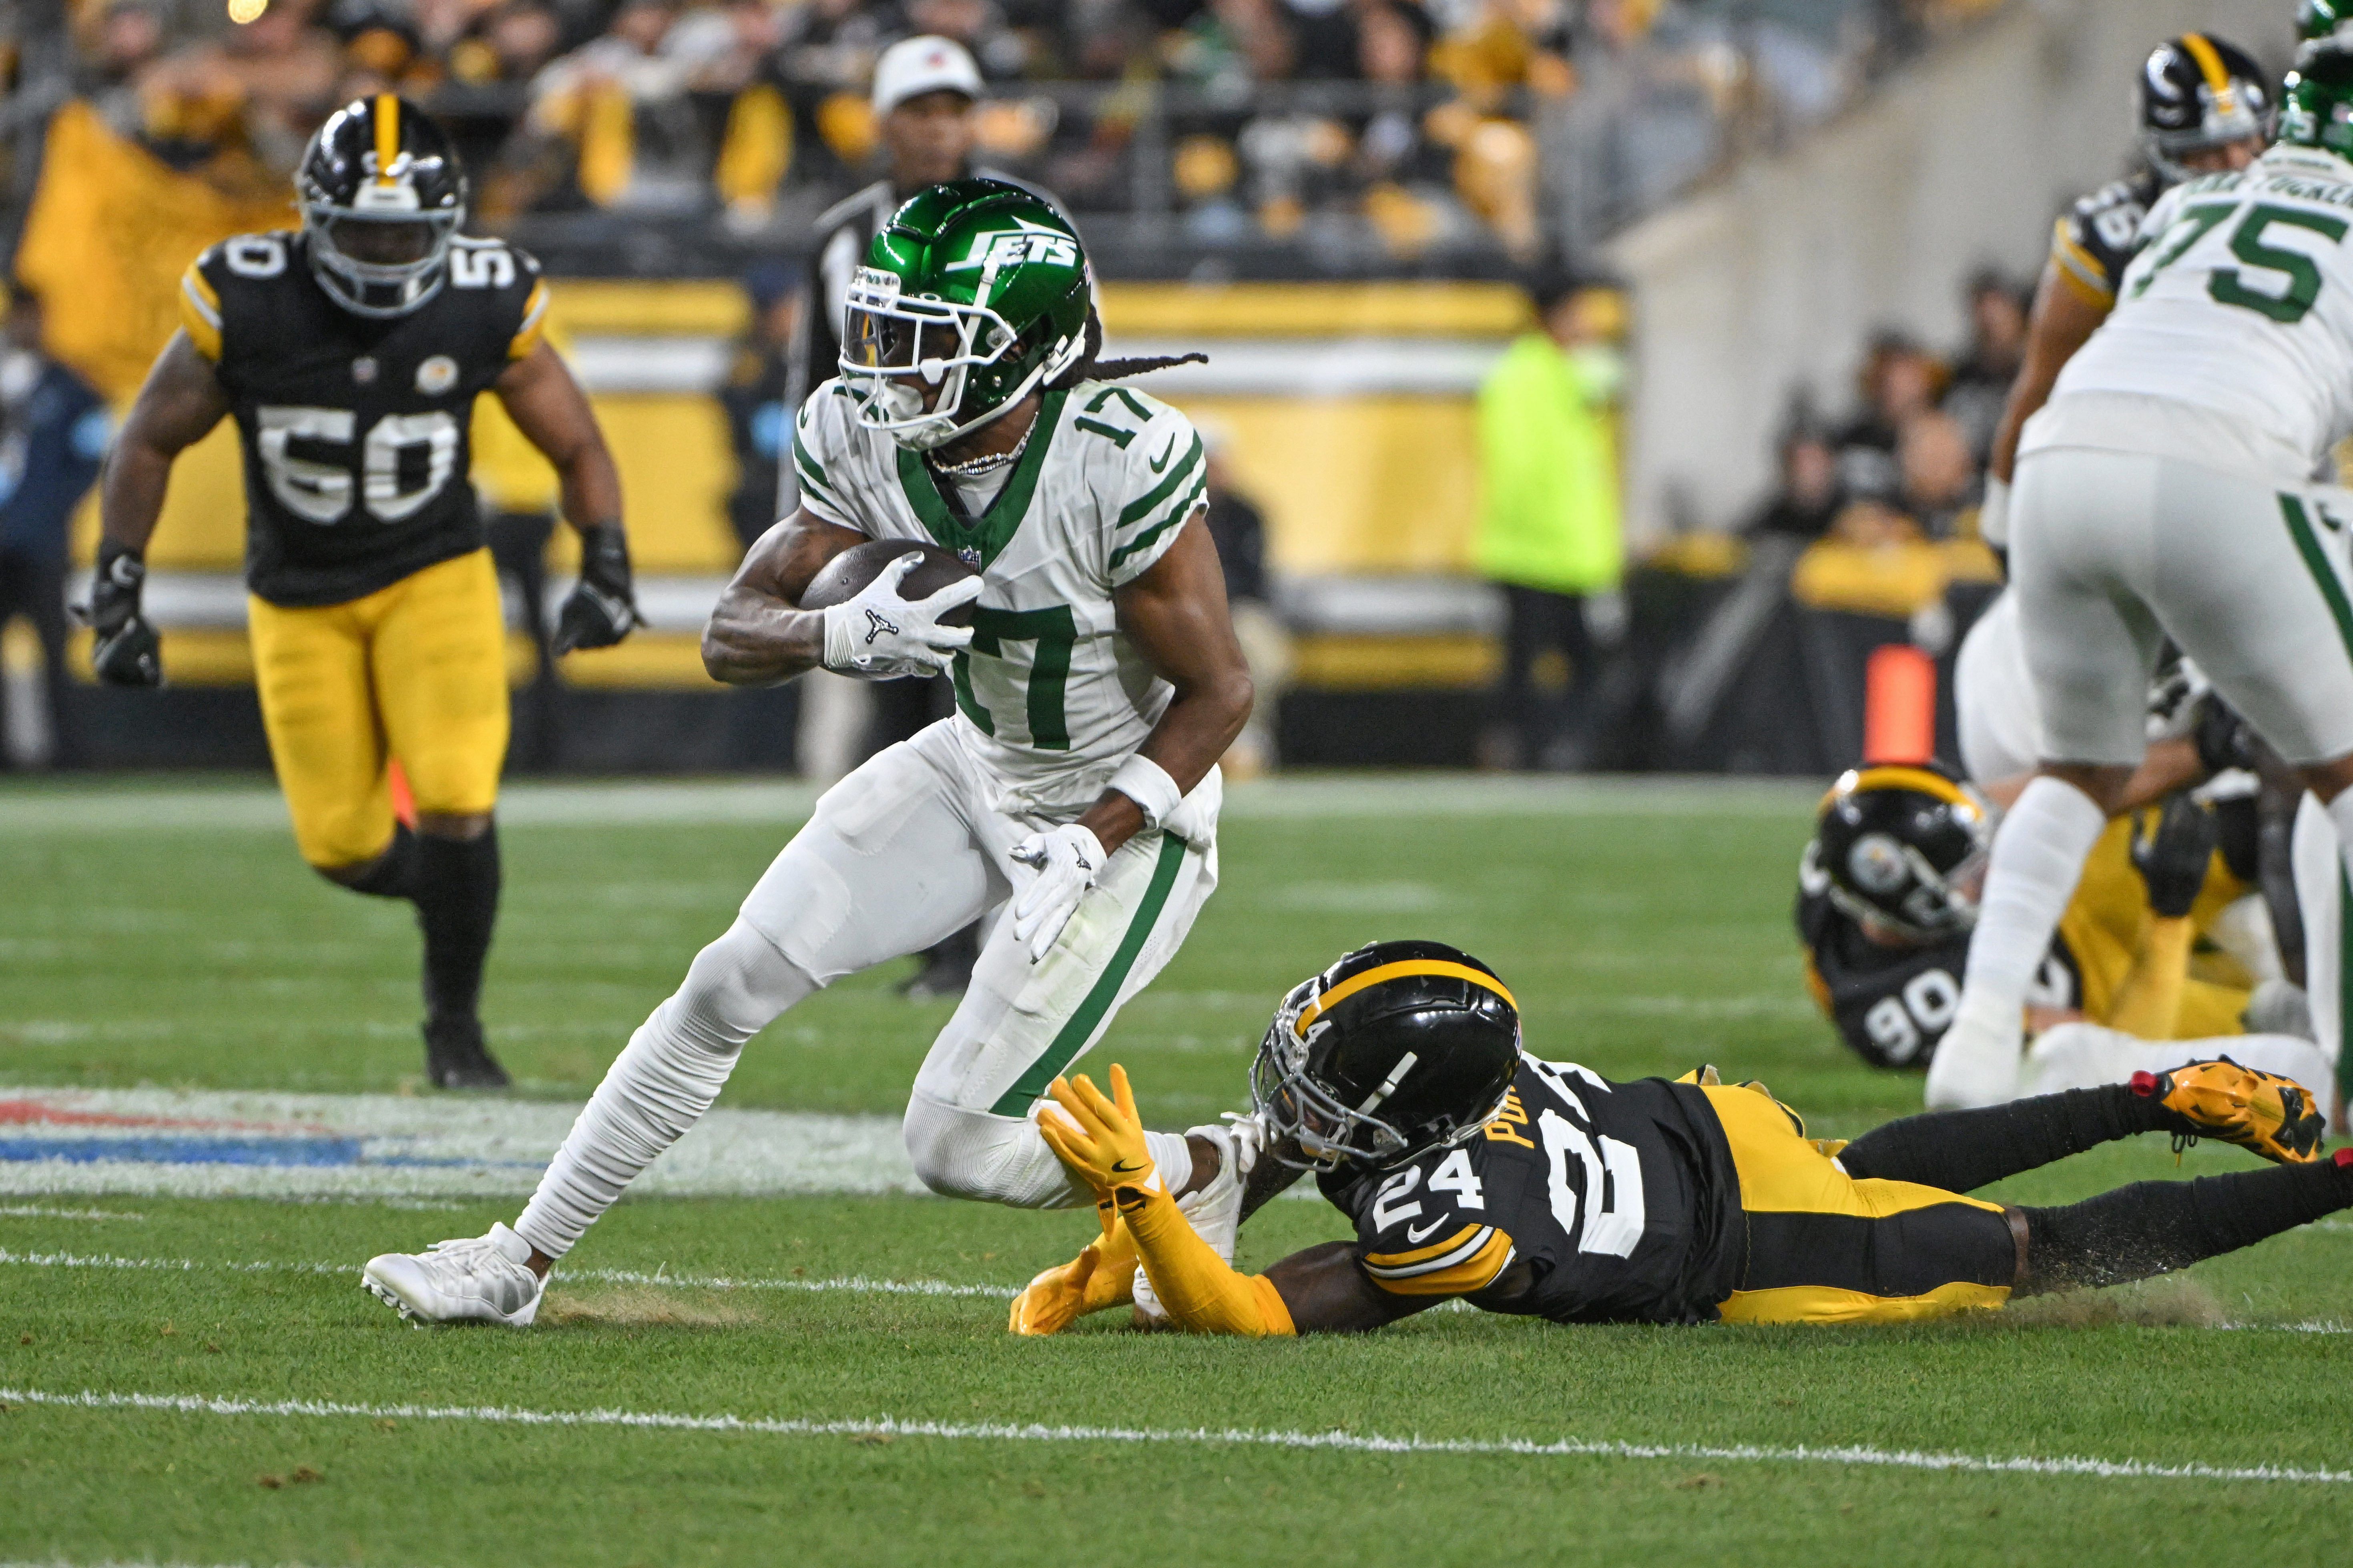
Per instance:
{"type": "Point", "coordinates": [843, 577]}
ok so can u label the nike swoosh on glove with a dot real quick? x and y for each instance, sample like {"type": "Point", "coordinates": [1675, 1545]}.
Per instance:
{"type": "Point", "coordinates": [1067, 860]}
{"type": "Point", "coordinates": [1103, 1142]}
{"type": "Point", "coordinates": [880, 633]}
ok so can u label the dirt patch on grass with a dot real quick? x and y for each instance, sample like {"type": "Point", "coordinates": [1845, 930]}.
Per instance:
{"type": "Point", "coordinates": [2162, 1304]}
{"type": "Point", "coordinates": [643, 1305]}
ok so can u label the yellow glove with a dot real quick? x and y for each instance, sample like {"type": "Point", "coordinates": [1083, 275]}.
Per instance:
{"type": "Point", "coordinates": [1102, 1144]}
{"type": "Point", "coordinates": [1102, 1275]}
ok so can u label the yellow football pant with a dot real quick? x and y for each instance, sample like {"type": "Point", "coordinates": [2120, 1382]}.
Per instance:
{"type": "Point", "coordinates": [416, 671]}
{"type": "Point", "coordinates": [1824, 1248]}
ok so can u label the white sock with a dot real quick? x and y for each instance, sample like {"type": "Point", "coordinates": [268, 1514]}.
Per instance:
{"type": "Point", "coordinates": [1172, 1157]}
{"type": "Point", "coordinates": [2038, 857]}
{"type": "Point", "coordinates": [661, 1084]}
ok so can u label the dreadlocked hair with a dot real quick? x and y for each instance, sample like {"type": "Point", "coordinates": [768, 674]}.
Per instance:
{"type": "Point", "coordinates": [1091, 366]}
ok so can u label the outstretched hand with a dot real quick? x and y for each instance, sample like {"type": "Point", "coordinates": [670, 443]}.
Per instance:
{"type": "Point", "coordinates": [1103, 1142]}
{"type": "Point", "coordinates": [1102, 1275]}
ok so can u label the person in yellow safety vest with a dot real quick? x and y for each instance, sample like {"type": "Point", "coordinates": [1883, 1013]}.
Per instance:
{"type": "Point", "coordinates": [1549, 534]}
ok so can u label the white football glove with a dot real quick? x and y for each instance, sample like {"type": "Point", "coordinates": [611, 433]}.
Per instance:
{"type": "Point", "coordinates": [881, 633]}
{"type": "Point", "coordinates": [1068, 860]}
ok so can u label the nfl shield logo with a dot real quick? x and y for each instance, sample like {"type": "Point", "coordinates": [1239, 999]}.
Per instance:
{"type": "Point", "coordinates": [970, 557]}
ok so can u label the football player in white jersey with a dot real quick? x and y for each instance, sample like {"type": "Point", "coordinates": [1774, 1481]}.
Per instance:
{"type": "Point", "coordinates": [2167, 489]}
{"type": "Point", "coordinates": [1076, 789]}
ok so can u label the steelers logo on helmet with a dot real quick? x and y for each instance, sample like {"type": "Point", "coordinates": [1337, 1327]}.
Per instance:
{"type": "Point", "coordinates": [1399, 1047]}
{"type": "Point", "coordinates": [974, 296]}
{"type": "Point", "coordinates": [1876, 864]}
{"type": "Point", "coordinates": [1901, 847]}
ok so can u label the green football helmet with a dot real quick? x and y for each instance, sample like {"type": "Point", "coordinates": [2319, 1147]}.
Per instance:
{"type": "Point", "coordinates": [2316, 101]}
{"type": "Point", "coordinates": [972, 296]}
{"type": "Point", "coordinates": [2321, 19]}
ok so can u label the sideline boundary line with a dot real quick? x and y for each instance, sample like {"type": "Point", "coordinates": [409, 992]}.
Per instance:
{"type": "Point", "coordinates": [1035, 1432]}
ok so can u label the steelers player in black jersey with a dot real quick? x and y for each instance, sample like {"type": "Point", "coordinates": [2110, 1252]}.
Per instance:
{"type": "Point", "coordinates": [1472, 1169]}
{"type": "Point", "coordinates": [350, 354]}
{"type": "Point", "coordinates": [2205, 107]}
{"type": "Point", "coordinates": [1887, 893]}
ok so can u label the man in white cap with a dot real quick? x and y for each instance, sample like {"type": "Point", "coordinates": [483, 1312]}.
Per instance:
{"type": "Point", "coordinates": [924, 90]}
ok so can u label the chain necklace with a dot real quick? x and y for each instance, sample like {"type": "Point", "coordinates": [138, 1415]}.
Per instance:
{"type": "Point", "coordinates": [972, 467]}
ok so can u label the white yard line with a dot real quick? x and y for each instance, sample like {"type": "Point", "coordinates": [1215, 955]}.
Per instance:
{"type": "Point", "coordinates": [243, 807]}
{"type": "Point", "coordinates": [56, 1142]}
{"type": "Point", "coordinates": [1038, 1432]}
{"type": "Point", "coordinates": [846, 1284]}
{"type": "Point", "coordinates": [36, 1211]}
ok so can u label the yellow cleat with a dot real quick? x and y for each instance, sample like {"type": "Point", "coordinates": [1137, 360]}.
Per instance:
{"type": "Point", "coordinates": [2272, 1115]}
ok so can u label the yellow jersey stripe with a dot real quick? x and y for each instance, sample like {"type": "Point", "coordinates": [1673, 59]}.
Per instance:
{"type": "Point", "coordinates": [387, 135]}
{"type": "Point", "coordinates": [200, 315]}
{"type": "Point", "coordinates": [534, 318]}
{"type": "Point", "coordinates": [2080, 267]}
{"type": "Point", "coordinates": [1423, 1254]}
{"type": "Point", "coordinates": [1476, 1273]}
{"type": "Point", "coordinates": [1402, 970]}
{"type": "Point", "coordinates": [2210, 63]}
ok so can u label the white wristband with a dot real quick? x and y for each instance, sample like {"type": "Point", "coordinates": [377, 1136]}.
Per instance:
{"type": "Point", "coordinates": [1993, 514]}
{"type": "Point", "coordinates": [837, 655]}
{"type": "Point", "coordinates": [1147, 783]}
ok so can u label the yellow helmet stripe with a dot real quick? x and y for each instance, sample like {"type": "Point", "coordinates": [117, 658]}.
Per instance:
{"type": "Point", "coordinates": [1893, 777]}
{"type": "Point", "coordinates": [2210, 63]}
{"type": "Point", "coordinates": [1402, 970]}
{"type": "Point", "coordinates": [387, 135]}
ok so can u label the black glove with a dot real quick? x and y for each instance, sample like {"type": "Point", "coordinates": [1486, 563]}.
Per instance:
{"type": "Point", "coordinates": [601, 610]}
{"type": "Point", "coordinates": [2173, 859]}
{"type": "Point", "coordinates": [125, 651]}
{"type": "Point", "coordinates": [2221, 737]}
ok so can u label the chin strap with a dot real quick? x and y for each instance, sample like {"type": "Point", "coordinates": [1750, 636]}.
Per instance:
{"type": "Point", "coordinates": [1201, 1291]}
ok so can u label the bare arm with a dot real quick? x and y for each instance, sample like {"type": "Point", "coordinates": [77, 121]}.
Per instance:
{"type": "Point", "coordinates": [2166, 766]}
{"type": "Point", "coordinates": [548, 407]}
{"type": "Point", "coordinates": [2063, 321]}
{"type": "Point", "coordinates": [181, 400]}
{"type": "Point", "coordinates": [1176, 613]}
{"type": "Point", "coordinates": [757, 634]}
{"type": "Point", "coordinates": [1328, 1293]}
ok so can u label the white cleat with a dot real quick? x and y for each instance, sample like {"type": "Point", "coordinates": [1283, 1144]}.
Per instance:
{"type": "Point", "coordinates": [481, 1279]}
{"type": "Point", "coordinates": [1214, 1211]}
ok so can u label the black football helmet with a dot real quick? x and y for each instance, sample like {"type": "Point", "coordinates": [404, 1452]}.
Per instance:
{"type": "Point", "coordinates": [381, 197]}
{"type": "Point", "coordinates": [1899, 846]}
{"type": "Point", "coordinates": [1400, 1047]}
{"type": "Point", "coordinates": [2196, 92]}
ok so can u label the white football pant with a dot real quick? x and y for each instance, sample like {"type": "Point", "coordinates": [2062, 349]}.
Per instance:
{"type": "Point", "coordinates": [907, 850]}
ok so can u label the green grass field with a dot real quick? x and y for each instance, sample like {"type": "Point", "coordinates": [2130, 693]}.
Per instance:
{"type": "Point", "coordinates": [255, 1407]}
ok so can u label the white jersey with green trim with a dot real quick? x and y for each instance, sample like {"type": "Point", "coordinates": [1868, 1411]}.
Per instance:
{"type": "Point", "coordinates": [2240, 303]}
{"type": "Point", "coordinates": [1053, 696]}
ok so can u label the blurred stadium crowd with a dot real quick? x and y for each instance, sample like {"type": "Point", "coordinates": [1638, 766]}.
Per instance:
{"type": "Point", "coordinates": [1379, 128]}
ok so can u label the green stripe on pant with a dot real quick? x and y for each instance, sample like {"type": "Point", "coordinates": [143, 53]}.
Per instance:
{"type": "Point", "coordinates": [2344, 983]}
{"type": "Point", "coordinates": [1074, 1035]}
{"type": "Point", "coordinates": [2315, 561]}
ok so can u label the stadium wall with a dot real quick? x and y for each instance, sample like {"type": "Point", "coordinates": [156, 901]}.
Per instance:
{"type": "Point", "coordinates": [1772, 278]}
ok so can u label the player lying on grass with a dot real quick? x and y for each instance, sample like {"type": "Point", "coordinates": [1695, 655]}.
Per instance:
{"type": "Point", "coordinates": [1074, 797]}
{"type": "Point", "coordinates": [1473, 1169]}
{"type": "Point", "coordinates": [1887, 895]}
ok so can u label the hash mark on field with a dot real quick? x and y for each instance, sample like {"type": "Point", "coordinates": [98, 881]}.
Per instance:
{"type": "Point", "coordinates": [35, 1211]}
{"type": "Point", "coordinates": [1346, 1442]}
{"type": "Point", "coordinates": [849, 1284]}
